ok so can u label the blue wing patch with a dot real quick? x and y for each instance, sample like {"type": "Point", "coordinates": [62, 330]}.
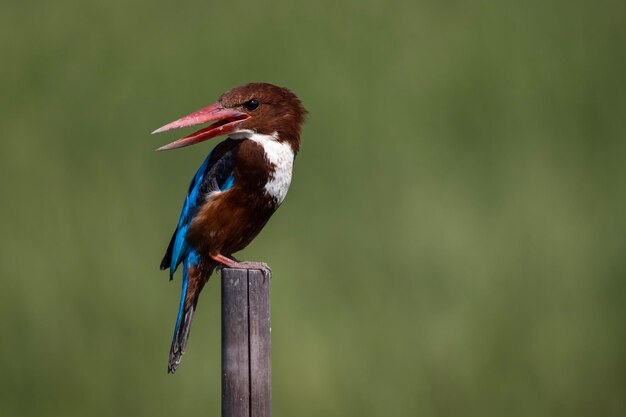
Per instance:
{"type": "Point", "coordinates": [228, 184]}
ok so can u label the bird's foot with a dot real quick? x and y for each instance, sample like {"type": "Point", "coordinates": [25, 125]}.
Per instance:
{"type": "Point", "coordinates": [261, 266]}
{"type": "Point", "coordinates": [230, 263]}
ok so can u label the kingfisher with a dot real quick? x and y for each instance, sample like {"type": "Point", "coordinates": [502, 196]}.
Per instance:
{"type": "Point", "coordinates": [238, 187]}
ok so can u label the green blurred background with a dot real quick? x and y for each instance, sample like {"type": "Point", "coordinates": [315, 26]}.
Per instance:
{"type": "Point", "coordinates": [453, 243]}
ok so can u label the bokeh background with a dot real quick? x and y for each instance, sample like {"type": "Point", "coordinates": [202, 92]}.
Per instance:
{"type": "Point", "coordinates": [453, 243]}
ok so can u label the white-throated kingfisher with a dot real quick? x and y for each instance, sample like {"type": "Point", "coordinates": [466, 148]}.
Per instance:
{"type": "Point", "coordinates": [241, 183]}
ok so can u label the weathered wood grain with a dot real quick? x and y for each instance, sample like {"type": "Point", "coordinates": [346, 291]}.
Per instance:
{"type": "Point", "coordinates": [260, 361]}
{"type": "Point", "coordinates": [246, 361]}
{"type": "Point", "coordinates": [235, 349]}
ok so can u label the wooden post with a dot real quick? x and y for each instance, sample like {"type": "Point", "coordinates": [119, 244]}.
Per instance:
{"type": "Point", "coordinates": [246, 365]}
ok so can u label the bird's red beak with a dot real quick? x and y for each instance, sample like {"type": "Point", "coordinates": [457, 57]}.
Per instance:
{"type": "Point", "coordinates": [226, 122]}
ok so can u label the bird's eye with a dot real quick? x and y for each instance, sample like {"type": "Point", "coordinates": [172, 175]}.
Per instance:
{"type": "Point", "coordinates": [251, 104]}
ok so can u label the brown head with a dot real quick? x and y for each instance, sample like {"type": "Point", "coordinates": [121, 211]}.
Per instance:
{"type": "Point", "coordinates": [251, 108]}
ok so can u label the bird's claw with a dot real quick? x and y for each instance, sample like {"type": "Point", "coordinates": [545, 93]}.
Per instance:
{"type": "Point", "coordinates": [261, 266]}
{"type": "Point", "coordinates": [234, 263]}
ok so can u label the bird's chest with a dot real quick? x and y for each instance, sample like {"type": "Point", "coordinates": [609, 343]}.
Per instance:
{"type": "Point", "coordinates": [265, 165]}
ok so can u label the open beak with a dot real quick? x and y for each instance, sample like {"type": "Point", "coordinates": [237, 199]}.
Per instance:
{"type": "Point", "coordinates": [226, 121]}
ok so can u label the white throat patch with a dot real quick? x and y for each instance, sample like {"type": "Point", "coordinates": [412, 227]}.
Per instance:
{"type": "Point", "coordinates": [241, 134]}
{"type": "Point", "coordinates": [280, 155]}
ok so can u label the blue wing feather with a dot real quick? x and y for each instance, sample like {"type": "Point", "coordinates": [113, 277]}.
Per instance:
{"type": "Point", "coordinates": [181, 248]}
{"type": "Point", "coordinates": [214, 173]}
{"type": "Point", "coordinates": [228, 184]}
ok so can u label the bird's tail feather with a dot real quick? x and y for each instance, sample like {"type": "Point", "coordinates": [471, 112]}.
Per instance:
{"type": "Point", "coordinates": [194, 278]}
{"type": "Point", "coordinates": [192, 285]}
{"type": "Point", "coordinates": [180, 340]}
